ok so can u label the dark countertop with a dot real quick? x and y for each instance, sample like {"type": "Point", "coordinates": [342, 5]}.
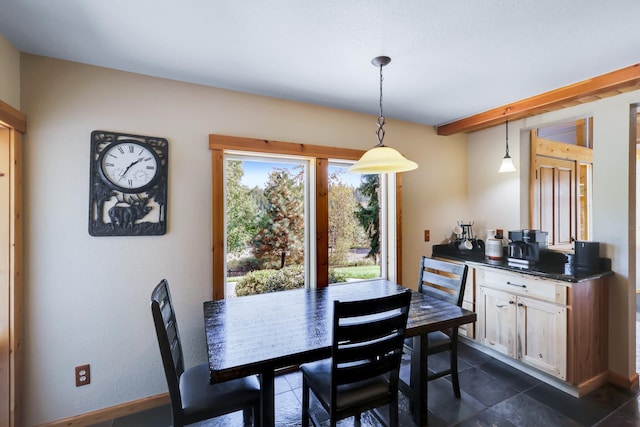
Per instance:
{"type": "Point", "coordinates": [551, 268]}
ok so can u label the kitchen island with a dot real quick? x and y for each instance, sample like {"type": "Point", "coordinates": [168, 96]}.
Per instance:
{"type": "Point", "coordinates": [549, 324]}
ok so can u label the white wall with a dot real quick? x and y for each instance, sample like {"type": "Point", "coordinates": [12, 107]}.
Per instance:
{"type": "Point", "coordinates": [494, 198]}
{"type": "Point", "coordinates": [9, 73]}
{"type": "Point", "coordinates": [87, 298]}
{"type": "Point", "coordinates": [613, 201]}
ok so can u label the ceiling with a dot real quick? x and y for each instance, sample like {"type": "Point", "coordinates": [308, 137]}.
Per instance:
{"type": "Point", "coordinates": [450, 58]}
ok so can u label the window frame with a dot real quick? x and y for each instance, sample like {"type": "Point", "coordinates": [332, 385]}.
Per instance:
{"type": "Point", "coordinates": [320, 156]}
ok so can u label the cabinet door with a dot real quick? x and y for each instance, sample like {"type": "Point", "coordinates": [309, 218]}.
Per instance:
{"type": "Point", "coordinates": [497, 320]}
{"type": "Point", "coordinates": [542, 336]}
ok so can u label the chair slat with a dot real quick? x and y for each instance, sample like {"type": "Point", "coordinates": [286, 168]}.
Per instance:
{"type": "Point", "coordinates": [368, 337]}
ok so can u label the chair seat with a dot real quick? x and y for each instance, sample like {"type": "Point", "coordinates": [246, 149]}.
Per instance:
{"type": "Point", "coordinates": [437, 341]}
{"type": "Point", "coordinates": [319, 374]}
{"type": "Point", "coordinates": [198, 394]}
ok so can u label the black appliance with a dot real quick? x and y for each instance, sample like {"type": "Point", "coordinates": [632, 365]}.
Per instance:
{"type": "Point", "coordinates": [586, 256]}
{"type": "Point", "coordinates": [525, 247]}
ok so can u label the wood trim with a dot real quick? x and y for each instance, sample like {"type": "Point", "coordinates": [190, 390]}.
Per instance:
{"type": "Point", "coordinates": [322, 223]}
{"type": "Point", "coordinates": [217, 223]}
{"type": "Point", "coordinates": [224, 142]}
{"type": "Point", "coordinates": [12, 118]}
{"type": "Point", "coordinates": [399, 228]}
{"type": "Point", "coordinates": [11, 270]}
{"type": "Point", "coordinates": [630, 383]}
{"type": "Point", "coordinates": [588, 90]}
{"type": "Point", "coordinates": [593, 383]}
{"type": "Point", "coordinates": [559, 150]}
{"type": "Point", "coordinates": [106, 414]}
{"type": "Point", "coordinates": [15, 279]}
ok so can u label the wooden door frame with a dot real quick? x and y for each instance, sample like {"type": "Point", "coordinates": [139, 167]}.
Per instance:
{"type": "Point", "coordinates": [543, 150]}
{"type": "Point", "coordinates": [11, 287]}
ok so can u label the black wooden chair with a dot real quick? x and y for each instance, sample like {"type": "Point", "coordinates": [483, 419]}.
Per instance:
{"type": "Point", "coordinates": [193, 398]}
{"type": "Point", "coordinates": [445, 281]}
{"type": "Point", "coordinates": [363, 371]}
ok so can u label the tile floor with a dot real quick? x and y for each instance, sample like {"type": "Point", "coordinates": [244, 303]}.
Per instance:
{"type": "Point", "coordinates": [493, 394]}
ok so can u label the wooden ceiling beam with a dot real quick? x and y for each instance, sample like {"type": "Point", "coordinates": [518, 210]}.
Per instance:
{"type": "Point", "coordinates": [578, 93]}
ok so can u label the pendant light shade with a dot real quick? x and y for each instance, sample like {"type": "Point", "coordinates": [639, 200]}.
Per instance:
{"type": "Point", "coordinates": [507, 163]}
{"type": "Point", "coordinates": [382, 159]}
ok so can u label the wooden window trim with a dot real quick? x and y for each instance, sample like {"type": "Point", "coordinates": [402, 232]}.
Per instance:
{"type": "Point", "coordinates": [218, 144]}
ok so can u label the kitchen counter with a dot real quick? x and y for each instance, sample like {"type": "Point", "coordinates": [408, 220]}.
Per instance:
{"type": "Point", "coordinates": [551, 268]}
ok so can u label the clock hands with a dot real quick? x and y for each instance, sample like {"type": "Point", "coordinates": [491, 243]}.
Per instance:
{"type": "Point", "coordinates": [129, 167]}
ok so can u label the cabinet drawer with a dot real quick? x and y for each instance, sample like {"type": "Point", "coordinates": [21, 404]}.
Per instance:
{"type": "Point", "coordinates": [519, 284]}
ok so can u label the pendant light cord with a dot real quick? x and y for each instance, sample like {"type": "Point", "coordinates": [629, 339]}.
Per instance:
{"type": "Point", "coordinates": [507, 139]}
{"type": "Point", "coordinates": [380, 122]}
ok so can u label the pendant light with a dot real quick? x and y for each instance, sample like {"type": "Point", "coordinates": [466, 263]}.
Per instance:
{"type": "Point", "coordinates": [382, 159]}
{"type": "Point", "coordinates": [507, 162]}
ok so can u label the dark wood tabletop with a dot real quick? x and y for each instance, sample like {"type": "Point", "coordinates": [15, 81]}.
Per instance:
{"type": "Point", "coordinates": [260, 333]}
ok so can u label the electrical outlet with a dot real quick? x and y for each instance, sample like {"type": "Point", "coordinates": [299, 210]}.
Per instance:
{"type": "Point", "coordinates": [83, 375]}
{"type": "Point", "coordinates": [426, 235]}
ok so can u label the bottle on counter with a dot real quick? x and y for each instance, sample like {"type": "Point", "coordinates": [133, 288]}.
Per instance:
{"type": "Point", "coordinates": [493, 246]}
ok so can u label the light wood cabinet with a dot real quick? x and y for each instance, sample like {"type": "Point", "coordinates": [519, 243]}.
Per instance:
{"type": "Point", "coordinates": [556, 327]}
{"type": "Point", "coordinates": [497, 320]}
{"type": "Point", "coordinates": [542, 336]}
{"type": "Point", "coordinates": [469, 303]}
{"type": "Point", "coordinates": [526, 329]}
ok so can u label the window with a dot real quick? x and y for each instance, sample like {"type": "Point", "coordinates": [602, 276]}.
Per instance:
{"type": "Point", "coordinates": [266, 220]}
{"type": "Point", "coordinates": [319, 159]}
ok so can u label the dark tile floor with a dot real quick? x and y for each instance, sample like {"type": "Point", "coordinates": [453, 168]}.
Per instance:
{"type": "Point", "coordinates": [493, 394]}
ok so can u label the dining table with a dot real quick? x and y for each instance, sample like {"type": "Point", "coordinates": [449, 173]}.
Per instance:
{"type": "Point", "coordinates": [261, 334]}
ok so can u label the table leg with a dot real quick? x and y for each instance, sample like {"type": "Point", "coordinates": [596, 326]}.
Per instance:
{"type": "Point", "coordinates": [418, 380]}
{"type": "Point", "coordinates": [267, 403]}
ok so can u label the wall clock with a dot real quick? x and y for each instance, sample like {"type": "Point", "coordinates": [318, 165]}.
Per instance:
{"type": "Point", "coordinates": [128, 184]}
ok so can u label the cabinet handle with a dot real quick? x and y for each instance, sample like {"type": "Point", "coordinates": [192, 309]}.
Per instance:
{"type": "Point", "coordinates": [515, 284]}
{"type": "Point", "coordinates": [504, 305]}
{"type": "Point", "coordinates": [520, 304]}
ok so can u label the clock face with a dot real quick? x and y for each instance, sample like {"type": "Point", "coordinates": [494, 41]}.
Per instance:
{"type": "Point", "coordinates": [129, 166]}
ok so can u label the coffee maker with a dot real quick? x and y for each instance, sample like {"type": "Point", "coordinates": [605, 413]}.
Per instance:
{"type": "Point", "coordinates": [526, 247]}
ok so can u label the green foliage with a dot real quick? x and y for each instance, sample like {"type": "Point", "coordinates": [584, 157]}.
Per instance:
{"type": "Point", "coordinates": [335, 276]}
{"type": "Point", "coordinates": [363, 272]}
{"type": "Point", "coordinates": [368, 212]}
{"type": "Point", "coordinates": [280, 240]}
{"type": "Point", "coordinates": [255, 282]}
{"type": "Point", "coordinates": [287, 278]}
{"type": "Point", "coordinates": [242, 209]}
{"type": "Point", "coordinates": [244, 264]}
{"type": "Point", "coordinates": [263, 281]}
{"type": "Point", "coordinates": [343, 223]}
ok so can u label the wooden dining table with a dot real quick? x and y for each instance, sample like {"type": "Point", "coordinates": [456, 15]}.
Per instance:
{"type": "Point", "coordinates": [260, 334]}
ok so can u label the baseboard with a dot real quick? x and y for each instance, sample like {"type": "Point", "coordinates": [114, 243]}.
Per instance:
{"type": "Point", "coordinates": [630, 383]}
{"type": "Point", "coordinates": [112, 412]}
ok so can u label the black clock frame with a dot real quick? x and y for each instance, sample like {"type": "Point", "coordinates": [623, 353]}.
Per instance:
{"type": "Point", "coordinates": [127, 216]}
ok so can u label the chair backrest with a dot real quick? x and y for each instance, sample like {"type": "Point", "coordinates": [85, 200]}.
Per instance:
{"type": "Point", "coordinates": [443, 280]}
{"type": "Point", "coordinates": [164, 319]}
{"type": "Point", "coordinates": [368, 337]}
